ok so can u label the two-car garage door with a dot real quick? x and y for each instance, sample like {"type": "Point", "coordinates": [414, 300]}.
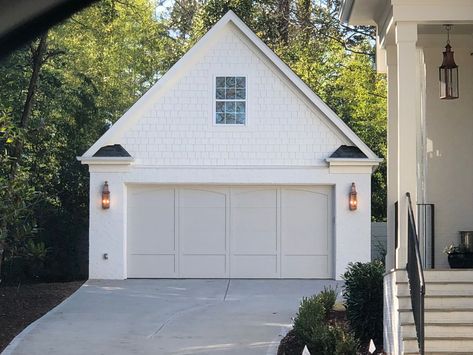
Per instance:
{"type": "Point", "coordinates": [237, 232]}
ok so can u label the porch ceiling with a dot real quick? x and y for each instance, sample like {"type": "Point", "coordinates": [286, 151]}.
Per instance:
{"type": "Point", "coordinates": [459, 29]}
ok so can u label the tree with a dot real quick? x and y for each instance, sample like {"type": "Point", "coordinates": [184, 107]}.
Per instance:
{"type": "Point", "coordinates": [96, 65]}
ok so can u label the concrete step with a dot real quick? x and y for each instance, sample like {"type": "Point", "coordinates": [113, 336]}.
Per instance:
{"type": "Point", "coordinates": [448, 345]}
{"type": "Point", "coordinates": [458, 315]}
{"type": "Point", "coordinates": [464, 275]}
{"type": "Point", "coordinates": [440, 301]}
{"type": "Point", "coordinates": [442, 330]}
{"type": "Point", "coordinates": [458, 288]}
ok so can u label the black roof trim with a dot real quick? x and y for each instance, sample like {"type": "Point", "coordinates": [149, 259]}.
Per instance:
{"type": "Point", "coordinates": [345, 151]}
{"type": "Point", "coordinates": [115, 150]}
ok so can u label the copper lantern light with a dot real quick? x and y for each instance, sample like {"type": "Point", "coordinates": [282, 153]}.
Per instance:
{"type": "Point", "coordinates": [353, 200]}
{"type": "Point", "coordinates": [105, 196]}
{"type": "Point", "coordinates": [448, 72]}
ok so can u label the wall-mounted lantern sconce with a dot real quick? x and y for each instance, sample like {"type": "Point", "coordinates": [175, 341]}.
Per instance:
{"type": "Point", "coordinates": [105, 196]}
{"type": "Point", "coordinates": [448, 72]}
{"type": "Point", "coordinates": [353, 200]}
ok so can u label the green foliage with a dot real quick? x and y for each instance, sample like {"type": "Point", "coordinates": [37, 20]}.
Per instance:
{"type": "Point", "coordinates": [311, 315]}
{"type": "Point", "coordinates": [97, 64]}
{"type": "Point", "coordinates": [36, 250]}
{"type": "Point", "coordinates": [327, 297]}
{"type": "Point", "coordinates": [213, 10]}
{"type": "Point", "coordinates": [363, 293]}
{"type": "Point", "coordinates": [312, 326]}
{"type": "Point", "coordinates": [346, 343]}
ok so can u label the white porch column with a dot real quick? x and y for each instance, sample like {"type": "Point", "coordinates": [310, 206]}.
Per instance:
{"type": "Point", "coordinates": [407, 92]}
{"type": "Point", "coordinates": [392, 158]}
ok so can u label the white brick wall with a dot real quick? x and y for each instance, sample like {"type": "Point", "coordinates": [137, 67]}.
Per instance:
{"type": "Point", "coordinates": [281, 129]}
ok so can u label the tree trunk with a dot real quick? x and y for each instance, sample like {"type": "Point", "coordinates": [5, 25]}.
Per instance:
{"type": "Point", "coordinates": [283, 20]}
{"type": "Point", "coordinates": [37, 63]}
{"type": "Point", "coordinates": [304, 8]}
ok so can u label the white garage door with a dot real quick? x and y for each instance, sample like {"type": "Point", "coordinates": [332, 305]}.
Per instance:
{"type": "Point", "coordinates": [237, 232]}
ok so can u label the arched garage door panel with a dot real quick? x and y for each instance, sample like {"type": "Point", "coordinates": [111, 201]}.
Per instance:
{"type": "Point", "coordinates": [254, 233]}
{"type": "Point", "coordinates": [202, 233]}
{"type": "Point", "coordinates": [305, 233]}
{"type": "Point", "coordinates": [239, 232]}
{"type": "Point", "coordinates": [152, 243]}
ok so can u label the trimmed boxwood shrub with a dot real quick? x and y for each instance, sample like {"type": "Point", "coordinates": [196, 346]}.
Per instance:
{"type": "Point", "coordinates": [363, 293]}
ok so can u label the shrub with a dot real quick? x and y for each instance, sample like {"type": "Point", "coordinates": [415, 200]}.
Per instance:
{"type": "Point", "coordinates": [314, 330]}
{"type": "Point", "coordinates": [311, 314]}
{"type": "Point", "coordinates": [346, 343]}
{"type": "Point", "coordinates": [327, 297]}
{"type": "Point", "coordinates": [363, 293]}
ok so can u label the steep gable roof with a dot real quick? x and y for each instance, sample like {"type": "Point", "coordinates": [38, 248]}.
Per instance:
{"type": "Point", "coordinates": [147, 99]}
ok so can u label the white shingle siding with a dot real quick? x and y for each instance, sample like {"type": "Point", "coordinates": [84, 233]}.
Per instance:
{"type": "Point", "coordinates": [170, 133]}
{"type": "Point", "coordinates": [281, 127]}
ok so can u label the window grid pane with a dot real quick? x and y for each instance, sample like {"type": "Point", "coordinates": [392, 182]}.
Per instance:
{"type": "Point", "coordinates": [230, 94]}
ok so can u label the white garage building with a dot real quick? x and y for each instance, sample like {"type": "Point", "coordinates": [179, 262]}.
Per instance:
{"type": "Point", "coordinates": [228, 167]}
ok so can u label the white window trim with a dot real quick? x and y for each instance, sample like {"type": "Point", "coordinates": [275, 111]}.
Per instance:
{"type": "Point", "coordinates": [214, 102]}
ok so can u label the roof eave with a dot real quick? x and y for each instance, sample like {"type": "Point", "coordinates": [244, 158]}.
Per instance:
{"type": "Point", "coordinates": [339, 162]}
{"type": "Point", "coordinates": [345, 11]}
{"type": "Point", "coordinates": [361, 12]}
{"type": "Point", "coordinates": [106, 160]}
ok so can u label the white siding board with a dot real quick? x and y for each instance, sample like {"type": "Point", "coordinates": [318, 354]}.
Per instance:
{"type": "Point", "coordinates": [281, 128]}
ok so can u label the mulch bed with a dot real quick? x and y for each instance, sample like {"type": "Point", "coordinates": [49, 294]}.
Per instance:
{"type": "Point", "coordinates": [20, 306]}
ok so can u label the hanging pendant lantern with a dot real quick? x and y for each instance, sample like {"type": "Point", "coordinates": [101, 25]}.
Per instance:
{"type": "Point", "coordinates": [448, 72]}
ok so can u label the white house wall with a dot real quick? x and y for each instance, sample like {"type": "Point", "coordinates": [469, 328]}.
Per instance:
{"type": "Point", "coordinates": [281, 129]}
{"type": "Point", "coordinates": [449, 144]}
{"type": "Point", "coordinates": [174, 141]}
{"type": "Point", "coordinates": [108, 227]}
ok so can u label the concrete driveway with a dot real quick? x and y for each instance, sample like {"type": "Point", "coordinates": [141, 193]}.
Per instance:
{"type": "Point", "coordinates": [162, 317]}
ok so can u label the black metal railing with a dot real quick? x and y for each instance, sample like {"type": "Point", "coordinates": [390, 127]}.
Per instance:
{"type": "Point", "coordinates": [415, 274]}
{"type": "Point", "coordinates": [426, 233]}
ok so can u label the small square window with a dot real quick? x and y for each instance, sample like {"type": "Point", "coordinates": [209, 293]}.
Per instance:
{"type": "Point", "coordinates": [220, 117]}
{"type": "Point", "coordinates": [240, 82]}
{"type": "Point", "coordinates": [230, 104]}
{"type": "Point", "coordinates": [240, 107]}
{"type": "Point", "coordinates": [220, 82]}
{"type": "Point", "coordinates": [220, 94]}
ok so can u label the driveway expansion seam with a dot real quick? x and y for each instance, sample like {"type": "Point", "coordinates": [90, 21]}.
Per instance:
{"type": "Point", "coordinates": [175, 315]}
{"type": "Point", "coordinates": [226, 291]}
